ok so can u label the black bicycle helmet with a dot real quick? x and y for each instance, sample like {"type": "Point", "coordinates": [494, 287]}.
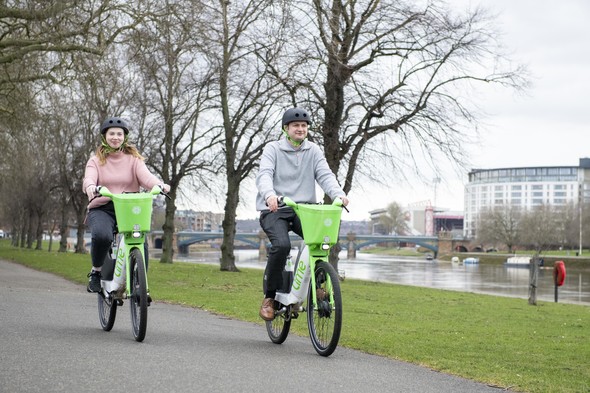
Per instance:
{"type": "Point", "coordinates": [114, 122]}
{"type": "Point", "coordinates": [295, 114]}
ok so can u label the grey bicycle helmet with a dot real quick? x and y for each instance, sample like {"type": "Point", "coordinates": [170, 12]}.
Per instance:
{"type": "Point", "coordinates": [114, 122]}
{"type": "Point", "coordinates": [295, 114]}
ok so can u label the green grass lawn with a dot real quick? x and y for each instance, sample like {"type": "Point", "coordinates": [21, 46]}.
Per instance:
{"type": "Point", "coordinates": [495, 340]}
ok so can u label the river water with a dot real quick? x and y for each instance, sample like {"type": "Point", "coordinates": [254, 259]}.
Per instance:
{"type": "Point", "coordinates": [497, 280]}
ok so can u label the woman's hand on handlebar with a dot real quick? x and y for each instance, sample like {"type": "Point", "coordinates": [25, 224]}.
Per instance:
{"type": "Point", "coordinates": [165, 188]}
{"type": "Point", "coordinates": [91, 192]}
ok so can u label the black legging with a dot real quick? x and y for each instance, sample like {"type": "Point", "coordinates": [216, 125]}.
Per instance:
{"type": "Point", "coordinates": [102, 223]}
{"type": "Point", "coordinates": [277, 225]}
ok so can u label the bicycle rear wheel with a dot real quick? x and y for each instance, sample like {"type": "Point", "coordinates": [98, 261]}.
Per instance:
{"type": "Point", "coordinates": [107, 311]}
{"type": "Point", "coordinates": [324, 317]}
{"type": "Point", "coordinates": [138, 297]}
{"type": "Point", "coordinates": [278, 328]}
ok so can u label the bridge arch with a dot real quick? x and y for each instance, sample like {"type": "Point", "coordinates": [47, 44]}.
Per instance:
{"type": "Point", "coordinates": [185, 239]}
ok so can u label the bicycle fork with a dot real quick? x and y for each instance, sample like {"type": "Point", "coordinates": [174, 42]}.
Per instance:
{"type": "Point", "coordinates": [303, 277]}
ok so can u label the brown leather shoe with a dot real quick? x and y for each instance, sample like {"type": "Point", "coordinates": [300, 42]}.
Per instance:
{"type": "Point", "coordinates": [267, 311]}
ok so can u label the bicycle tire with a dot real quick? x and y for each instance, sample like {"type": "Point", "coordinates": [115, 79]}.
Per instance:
{"type": "Point", "coordinates": [278, 328]}
{"type": "Point", "coordinates": [138, 296]}
{"type": "Point", "coordinates": [324, 316]}
{"type": "Point", "coordinates": [107, 312]}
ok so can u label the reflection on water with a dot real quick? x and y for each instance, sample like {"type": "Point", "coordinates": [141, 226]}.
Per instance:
{"type": "Point", "coordinates": [478, 278]}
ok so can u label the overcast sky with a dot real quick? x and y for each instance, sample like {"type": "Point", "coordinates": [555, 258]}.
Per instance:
{"type": "Point", "coordinates": [549, 126]}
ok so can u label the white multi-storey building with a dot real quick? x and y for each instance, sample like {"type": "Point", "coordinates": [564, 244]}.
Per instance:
{"type": "Point", "coordinates": [524, 187]}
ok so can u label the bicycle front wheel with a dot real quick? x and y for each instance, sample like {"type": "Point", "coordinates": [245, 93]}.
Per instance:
{"type": "Point", "coordinates": [324, 316]}
{"type": "Point", "coordinates": [138, 297]}
{"type": "Point", "coordinates": [107, 311]}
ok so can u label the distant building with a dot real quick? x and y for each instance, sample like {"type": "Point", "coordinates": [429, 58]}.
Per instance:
{"type": "Point", "coordinates": [375, 222]}
{"type": "Point", "coordinates": [449, 221]}
{"type": "Point", "coordinates": [524, 187]}
{"type": "Point", "coordinates": [423, 219]}
{"type": "Point", "coordinates": [199, 221]}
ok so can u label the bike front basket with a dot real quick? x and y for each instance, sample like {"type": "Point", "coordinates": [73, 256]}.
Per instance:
{"type": "Point", "coordinates": [320, 223]}
{"type": "Point", "coordinates": [134, 211]}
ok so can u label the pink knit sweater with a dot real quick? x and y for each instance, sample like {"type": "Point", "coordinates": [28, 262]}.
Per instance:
{"type": "Point", "coordinates": [121, 173]}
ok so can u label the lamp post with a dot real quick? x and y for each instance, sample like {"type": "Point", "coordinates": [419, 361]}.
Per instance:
{"type": "Point", "coordinates": [580, 203]}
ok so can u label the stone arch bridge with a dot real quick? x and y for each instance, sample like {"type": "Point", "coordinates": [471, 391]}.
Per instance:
{"type": "Point", "coordinates": [441, 244]}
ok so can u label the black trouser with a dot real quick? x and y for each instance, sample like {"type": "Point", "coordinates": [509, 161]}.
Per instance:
{"type": "Point", "coordinates": [103, 224]}
{"type": "Point", "coordinates": [277, 225]}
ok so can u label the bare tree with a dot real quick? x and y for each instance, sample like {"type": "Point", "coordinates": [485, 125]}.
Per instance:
{"type": "Point", "coordinates": [538, 230]}
{"type": "Point", "coordinates": [175, 100]}
{"type": "Point", "coordinates": [52, 30]}
{"type": "Point", "coordinates": [241, 39]}
{"type": "Point", "coordinates": [389, 74]}
{"type": "Point", "coordinates": [499, 225]}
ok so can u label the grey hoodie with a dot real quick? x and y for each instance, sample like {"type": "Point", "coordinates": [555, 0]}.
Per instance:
{"type": "Point", "coordinates": [293, 172]}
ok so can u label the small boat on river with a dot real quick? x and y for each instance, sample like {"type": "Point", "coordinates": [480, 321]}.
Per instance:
{"type": "Point", "coordinates": [521, 262]}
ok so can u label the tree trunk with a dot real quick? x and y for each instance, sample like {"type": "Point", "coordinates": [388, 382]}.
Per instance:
{"type": "Point", "coordinates": [80, 240]}
{"type": "Point", "coordinates": [168, 227]}
{"type": "Point", "coordinates": [333, 257]}
{"type": "Point", "coordinates": [39, 234]}
{"type": "Point", "coordinates": [228, 259]}
{"type": "Point", "coordinates": [80, 243]}
{"type": "Point", "coordinates": [30, 236]}
{"type": "Point", "coordinates": [63, 231]}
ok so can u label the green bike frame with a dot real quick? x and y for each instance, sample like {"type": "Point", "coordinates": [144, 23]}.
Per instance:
{"type": "Point", "coordinates": [320, 224]}
{"type": "Point", "coordinates": [134, 215]}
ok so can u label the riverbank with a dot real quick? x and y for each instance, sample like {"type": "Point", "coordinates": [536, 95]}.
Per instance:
{"type": "Point", "coordinates": [484, 257]}
{"type": "Point", "coordinates": [500, 341]}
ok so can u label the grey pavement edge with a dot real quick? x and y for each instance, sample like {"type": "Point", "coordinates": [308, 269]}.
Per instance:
{"type": "Point", "coordinates": [51, 341]}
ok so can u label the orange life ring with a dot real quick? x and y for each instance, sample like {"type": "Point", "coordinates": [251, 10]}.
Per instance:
{"type": "Point", "coordinates": [559, 273]}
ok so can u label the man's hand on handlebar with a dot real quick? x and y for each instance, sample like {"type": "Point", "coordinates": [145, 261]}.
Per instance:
{"type": "Point", "coordinates": [273, 203]}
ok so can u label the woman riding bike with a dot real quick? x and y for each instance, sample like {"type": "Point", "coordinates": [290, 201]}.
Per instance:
{"type": "Point", "coordinates": [119, 166]}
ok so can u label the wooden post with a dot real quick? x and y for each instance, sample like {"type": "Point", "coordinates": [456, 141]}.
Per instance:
{"type": "Point", "coordinates": [533, 279]}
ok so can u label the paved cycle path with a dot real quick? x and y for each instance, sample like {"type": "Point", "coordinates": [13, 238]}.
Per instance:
{"type": "Point", "coordinates": [51, 341]}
